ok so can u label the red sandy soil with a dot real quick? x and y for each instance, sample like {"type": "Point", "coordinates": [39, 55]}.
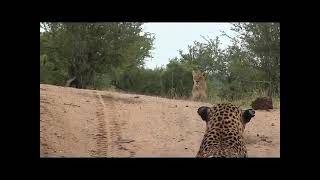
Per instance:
{"type": "Point", "coordinates": [89, 123]}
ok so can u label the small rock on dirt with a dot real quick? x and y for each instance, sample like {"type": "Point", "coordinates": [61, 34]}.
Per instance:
{"type": "Point", "coordinates": [187, 106]}
{"type": "Point", "coordinates": [123, 148]}
{"type": "Point", "coordinates": [263, 139]}
{"type": "Point", "coordinates": [272, 124]}
{"type": "Point", "coordinates": [185, 148]}
{"type": "Point", "coordinates": [258, 135]}
{"type": "Point", "coordinates": [136, 97]}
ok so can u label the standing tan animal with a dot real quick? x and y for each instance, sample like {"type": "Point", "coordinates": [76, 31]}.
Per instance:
{"type": "Point", "coordinates": [199, 90]}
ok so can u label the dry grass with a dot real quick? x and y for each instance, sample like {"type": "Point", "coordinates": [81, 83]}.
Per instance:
{"type": "Point", "coordinates": [244, 102]}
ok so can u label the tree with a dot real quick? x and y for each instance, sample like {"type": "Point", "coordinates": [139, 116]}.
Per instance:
{"type": "Point", "coordinates": [177, 79]}
{"type": "Point", "coordinates": [99, 54]}
{"type": "Point", "coordinates": [251, 64]}
{"type": "Point", "coordinates": [261, 41]}
{"type": "Point", "coordinates": [86, 50]}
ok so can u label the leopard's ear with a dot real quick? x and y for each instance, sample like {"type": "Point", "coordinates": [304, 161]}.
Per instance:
{"type": "Point", "coordinates": [247, 115]}
{"type": "Point", "coordinates": [203, 112]}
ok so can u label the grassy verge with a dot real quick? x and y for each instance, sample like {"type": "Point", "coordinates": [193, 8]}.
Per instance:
{"type": "Point", "coordinates": [245, 102]}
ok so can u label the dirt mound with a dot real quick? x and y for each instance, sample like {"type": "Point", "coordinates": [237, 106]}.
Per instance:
{"type": "Point", "coordinates": [89, 123]}
{"type": "Point", "coordinates": [262, 103]}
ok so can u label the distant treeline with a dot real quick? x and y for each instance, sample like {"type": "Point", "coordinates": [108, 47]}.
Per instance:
{"type": "Point", "coordinates": [102, 55]}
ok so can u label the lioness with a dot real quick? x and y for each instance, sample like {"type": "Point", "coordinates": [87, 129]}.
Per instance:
{"type": "Point", "coordinates": [199, 90]}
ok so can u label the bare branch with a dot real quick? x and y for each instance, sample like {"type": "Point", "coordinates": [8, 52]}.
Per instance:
{"type": "Point", "coordinates": [70, 81]}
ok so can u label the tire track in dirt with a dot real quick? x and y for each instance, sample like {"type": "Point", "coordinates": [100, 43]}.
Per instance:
{"type": "Point", "coordinates": [114, 127]}
{"type": "Point", "coordinates": [108, 136]}
{"type": "Point", "coordinates": [101, 137]}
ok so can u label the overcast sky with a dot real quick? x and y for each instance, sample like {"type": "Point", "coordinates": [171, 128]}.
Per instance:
{"type": "Point", "coordinates": [170, 37]}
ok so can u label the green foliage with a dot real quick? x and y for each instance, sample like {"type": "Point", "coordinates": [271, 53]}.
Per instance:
{"type": "Point", "coordinates": [177, 79]}
{"type": "Point", "coordinates": [49, 73]}
{"type": "Point", "coordinates": [101, 81]}
{"type": "Point", "coordinates": [86, 50]}
{"type": "Point", "coordinates": [140, 80]}
{"type": "Point", "coordinates": [102, 55]}
{"type": "Point", "coordinates": [261, 42]}
{"type": "Point", "coordinates": [250, 65]}
{"type": "Point", "coordinates": [207, 57]}
{"type": "Point", "coordinates": [174, 81]}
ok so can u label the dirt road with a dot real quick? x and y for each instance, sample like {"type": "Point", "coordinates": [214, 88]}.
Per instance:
{"type": "Point", "coordinates": [89, 123]}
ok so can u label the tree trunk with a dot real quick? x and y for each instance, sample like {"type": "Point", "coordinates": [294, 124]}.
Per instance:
{"type": "Point", "coordinates": [70, 81]}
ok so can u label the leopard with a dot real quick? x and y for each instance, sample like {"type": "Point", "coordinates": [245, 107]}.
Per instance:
{"type": "Point", "coordinates": [224, 134]}
{"type": "Point", "coordinates": [199, 90]}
